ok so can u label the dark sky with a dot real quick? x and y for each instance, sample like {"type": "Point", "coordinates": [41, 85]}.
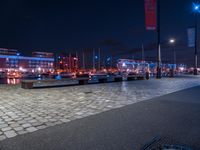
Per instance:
{"type": "Point", "coordinates": [31, 25]}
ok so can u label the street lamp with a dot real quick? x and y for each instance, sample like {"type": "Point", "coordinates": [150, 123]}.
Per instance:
{"type": "Point", "coordinates": [159, 70]}
{"type": "Point", "coordinates": [172, 42]}
{"type": "Point", "coordinates": [196, 9]}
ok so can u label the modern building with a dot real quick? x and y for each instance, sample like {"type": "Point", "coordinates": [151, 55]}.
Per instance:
{"type": "Point", "coordinates": [11, 60]}
{"type": "Point", "coordinates": [67, 62]}
{"type": "Point", "coordinates": [42, 54]}
{"type": "Point", "coordinates": [5, 51]}
{"type": "Point", "coordinates": [129, 65]}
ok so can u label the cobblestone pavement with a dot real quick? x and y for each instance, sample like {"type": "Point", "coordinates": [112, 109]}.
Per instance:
{"type": "Point", "coordinates": [23, 111]}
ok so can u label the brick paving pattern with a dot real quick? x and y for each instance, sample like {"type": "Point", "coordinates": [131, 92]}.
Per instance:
{"type": "Point", "coordinates": [23, 111]}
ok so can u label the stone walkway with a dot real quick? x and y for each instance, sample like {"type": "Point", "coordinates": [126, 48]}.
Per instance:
{"type": "Point", "coordinates": [23, 111]}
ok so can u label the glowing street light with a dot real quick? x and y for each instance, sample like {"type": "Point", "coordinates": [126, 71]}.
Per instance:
{"type": "Point", "coordinates": [124, 64]}
{"type": "Point", "coordinates": [39, 69]}
{"type": "Point", "coordinates": [196, 7]}
{"type": "Point", "coordinates": [20, 68]}
{"type": "Point", "coordinates": [172, 41]}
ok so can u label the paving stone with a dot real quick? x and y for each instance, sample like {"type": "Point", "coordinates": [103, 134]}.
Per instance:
{"type": "Point", "coordinates": [10, 134]}
{"type": "Point", "coordinates": [44, 120]}
{"type": "Point", "coordinates": [28, 119]}
{"type": "Point", "coordinates": [3, 126]}
{"type": "Point", "coordinates": [52, 120]}
{"type": "Point", "coordinates": [32, 121]}
{"type": "Point", "coordinates": [48, 117]}
{"type": "Point", "coordinates": [26, 125]}
{"type": "Point", "coordinates": [22, 132]}
{"type": "Point", "coordinates": [18, 119]}
{"type": "Point", "coordinates": [18, 128]}
{"type": "Point", "coordinates": [8, 119]}
{"type": "Point", "coordinates": [64, 120]}
{"type": "Point", "coordinates": [50, 124]}
{"type": "Point", "coordinates": [5, 117]}
{"type": "Point", "coordinates": [14, 117]}
{"type": "Point", "coordinates": [41, 127]}
{"type": "Point", "coordinates": [11, 122]}
{"type": "Point", "coordinates": [6, 129]}
{"type": "Point", "coordinates": [2, 122]}
{"type": "Point", "coordinates": [14, 125]}
{"type": "Point", "coordinates": [31, 129]}
{"type": "Point", "coordinates": [2, 137]}
{"type": "Point", "coordinates": [37, 124]}
{"type": "Point", "coordinates": [21, 122]}
{"type": "Point", "coordinates": [58, 122]}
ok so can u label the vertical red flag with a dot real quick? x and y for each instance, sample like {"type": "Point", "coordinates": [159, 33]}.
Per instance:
{"type": "Point", "coordinates": [151, 14]}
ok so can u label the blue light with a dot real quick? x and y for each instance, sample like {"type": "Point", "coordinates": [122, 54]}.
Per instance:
{"type": "Point", "coordinates": [108, 59]}
{"type": "Point", "coordinates": [25, 58]}
{"type": "Point", "coordinates": [18, 54]}
{"type": "Point", "coordinates": [96, 57]}
{"type": "Point", "coordinates": [58, 77]}
{"type": "Point", "coordinates": [196, 7]}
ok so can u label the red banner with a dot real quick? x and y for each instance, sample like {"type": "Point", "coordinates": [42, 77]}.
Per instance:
{"type": "Point", "coordinates": [150, 14]}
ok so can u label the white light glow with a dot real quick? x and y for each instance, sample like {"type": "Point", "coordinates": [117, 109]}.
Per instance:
{"type": "Point", "coordinates": [124, 65]}
{"type": "Point", "coordinates": [181, 68]}
{"type": "Point", "coordinates": [172, 40]}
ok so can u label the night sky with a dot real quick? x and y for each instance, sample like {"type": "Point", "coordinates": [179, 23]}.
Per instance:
{"type": "Point", "coordinates": [116, 25]}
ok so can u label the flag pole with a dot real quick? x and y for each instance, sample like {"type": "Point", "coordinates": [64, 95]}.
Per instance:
{"type": "Point", "coordinates": [159, 71]}
{"type": "Point", "coordinates": [93, 58]}
{"type": "Point", "coordinates": [99, 59]}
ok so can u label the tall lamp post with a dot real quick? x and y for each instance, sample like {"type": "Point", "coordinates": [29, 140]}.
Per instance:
{"type": "Point", "coordinates": [196, 11]}
{"type": "Point", "coordinates": [172, 42]}
{"type": "Point", "coordinates": [159, 71]}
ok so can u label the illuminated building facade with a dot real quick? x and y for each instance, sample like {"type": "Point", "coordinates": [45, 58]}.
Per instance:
{"type": "Point", "coordinates": [68, 62]}
{"type": "Point", "coordinates": [129, 65]}
{"type": "Point", "coordinates": [10, 60]}
{"type": "Point", "coordinates": [5, 51]}
{"type": "Point", "coordinates": [42, 54]}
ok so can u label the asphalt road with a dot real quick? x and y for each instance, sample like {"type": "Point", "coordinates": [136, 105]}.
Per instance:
{"type": "Point", "coordinates": [174, 117]}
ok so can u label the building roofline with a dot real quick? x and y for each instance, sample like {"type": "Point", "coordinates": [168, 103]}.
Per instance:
{"type": "Point", "coordinates": [26, 58]}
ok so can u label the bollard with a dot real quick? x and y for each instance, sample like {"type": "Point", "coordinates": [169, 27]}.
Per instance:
{"type": "Point", "coordinates": [147, 75]}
